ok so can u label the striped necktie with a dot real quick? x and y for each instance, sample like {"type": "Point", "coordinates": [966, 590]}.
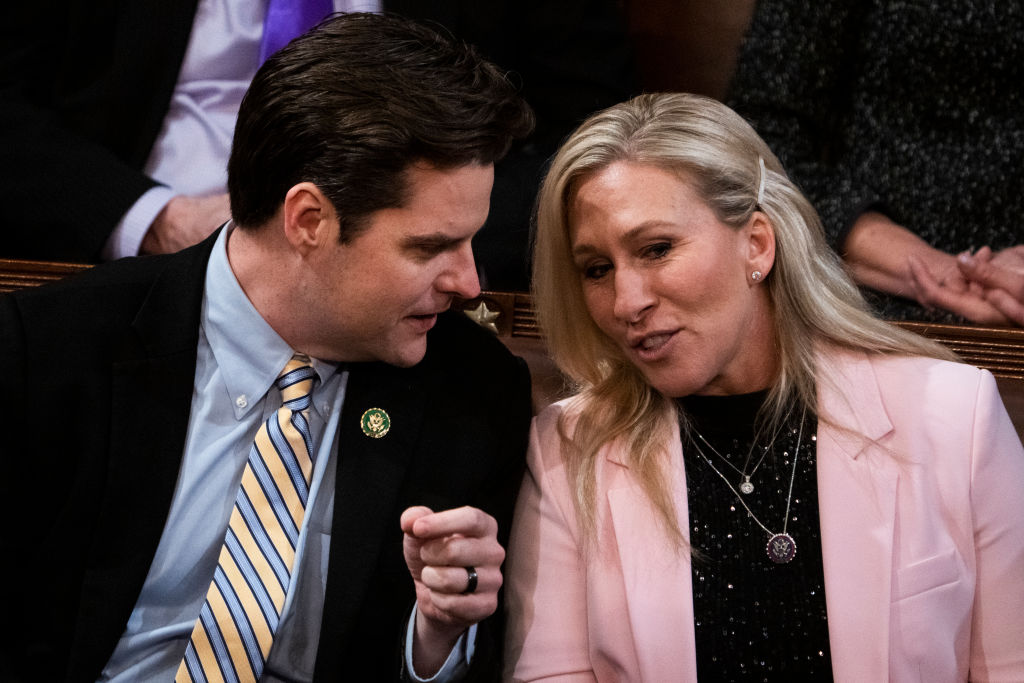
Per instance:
{"type": "Point", "coordinates": [231, 639]}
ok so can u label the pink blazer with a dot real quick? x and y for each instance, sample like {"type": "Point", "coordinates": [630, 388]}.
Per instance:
{"type": "Point", "coordinates": [922, 539]}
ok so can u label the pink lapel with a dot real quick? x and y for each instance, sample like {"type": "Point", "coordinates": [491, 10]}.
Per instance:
{"type": "Point", "coordinates": [857, 499]}
{"type": "Point", "coordinates": [659, 596]}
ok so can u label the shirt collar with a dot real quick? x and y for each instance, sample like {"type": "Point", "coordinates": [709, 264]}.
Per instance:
{"type": "Point", "coordinates": [234, 328]}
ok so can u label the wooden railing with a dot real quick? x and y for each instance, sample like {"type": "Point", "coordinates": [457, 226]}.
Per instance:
{"type": "Point", "coordinates": [510, 315]}
{"type": "Point", "coordinates": [15, 274]}
{"type": "Point", "coordinates": [997, 349]}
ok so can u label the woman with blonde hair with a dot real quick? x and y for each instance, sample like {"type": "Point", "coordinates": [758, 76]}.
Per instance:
{"type": "Point", "coordinates": [756, 478]}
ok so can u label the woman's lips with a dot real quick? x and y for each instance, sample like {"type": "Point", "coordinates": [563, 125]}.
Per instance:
{"type": "Point", "coordinates": [652, 347]}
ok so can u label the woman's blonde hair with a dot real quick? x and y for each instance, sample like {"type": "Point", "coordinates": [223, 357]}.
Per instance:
{"type": "Point", "coordinates": [813, 300]}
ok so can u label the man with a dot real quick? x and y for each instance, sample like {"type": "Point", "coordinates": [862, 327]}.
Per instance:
{"type": "Point", "coordinates": [130, 107]}
{"type": "Point", "coordinates": [361, 168]}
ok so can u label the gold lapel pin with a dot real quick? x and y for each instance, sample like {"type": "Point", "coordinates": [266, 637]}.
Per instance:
{"type": "Point", "coordinates": [375, 423]}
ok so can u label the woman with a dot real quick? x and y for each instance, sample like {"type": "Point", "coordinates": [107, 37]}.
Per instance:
{"type": "Point", "coordinates": [757, 478]}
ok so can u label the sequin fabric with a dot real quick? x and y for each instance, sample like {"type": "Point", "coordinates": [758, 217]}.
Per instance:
{"type": "Point", "coordinates": [755, 620]}
{"type": "Point", "coordinates": [913, 107]}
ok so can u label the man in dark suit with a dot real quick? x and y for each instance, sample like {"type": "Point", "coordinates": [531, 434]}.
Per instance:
{"type": "Point", "coordinates": [361, 168]}
{"type": "Point", "coordinates": [92, 93]}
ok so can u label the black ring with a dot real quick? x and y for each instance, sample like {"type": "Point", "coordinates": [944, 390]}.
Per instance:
{"type": "Point", "coordinates": [471, 583]}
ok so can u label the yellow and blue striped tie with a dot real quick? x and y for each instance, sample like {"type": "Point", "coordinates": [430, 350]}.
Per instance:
{"type": "Point", "coordinates": [231, 639]}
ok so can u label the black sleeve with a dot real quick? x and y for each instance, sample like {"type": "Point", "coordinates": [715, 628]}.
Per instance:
{"type": "Point", "coordinates": [84, 87]}
{"type": "Point", "coordinates": [793, 84]}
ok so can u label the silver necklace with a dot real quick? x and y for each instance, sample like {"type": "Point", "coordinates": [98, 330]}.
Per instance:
{"type": "Point", "coordinates": [781, 547]}
{"type": "Point", "coordinates": [746, 486]}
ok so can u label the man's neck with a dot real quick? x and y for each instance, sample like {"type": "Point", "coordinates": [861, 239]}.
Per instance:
{"type": "Point", "coordinates": [260, 260]}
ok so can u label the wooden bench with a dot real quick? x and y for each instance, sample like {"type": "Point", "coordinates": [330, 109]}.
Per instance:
{"type": "Point", "coordinates": [16, 274]}
{"type": "Point", "coordinates": [997, 349]}
{"type": "Point", "coordinates": [511, 317]}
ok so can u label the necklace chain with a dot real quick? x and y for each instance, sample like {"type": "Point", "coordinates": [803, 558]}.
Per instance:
{"type": "Point", "coordinates": [745, 486]}
{"type": "Point", "coordinates": [781, 546]}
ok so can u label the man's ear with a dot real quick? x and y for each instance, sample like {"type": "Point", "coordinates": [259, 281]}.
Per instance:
{"type": "Point", "coordinates": [760, 245]}
{"type": "Point", "coordinates": [309, 217]}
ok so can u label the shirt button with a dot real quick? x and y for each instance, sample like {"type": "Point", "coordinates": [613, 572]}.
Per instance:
{"type": "Point", "coordinates": [327, 409]}
{"type": "Point", "coordinates": [241, 401]}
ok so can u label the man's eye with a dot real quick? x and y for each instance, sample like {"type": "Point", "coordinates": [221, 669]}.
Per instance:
{"type": "Point", "coordinates": [430, 251]}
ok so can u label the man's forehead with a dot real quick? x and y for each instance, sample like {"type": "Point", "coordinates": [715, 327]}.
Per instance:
{"type": "Point", "coordinates": [440, 206]}
{"type": "Point", "coordinates": [421, 174]}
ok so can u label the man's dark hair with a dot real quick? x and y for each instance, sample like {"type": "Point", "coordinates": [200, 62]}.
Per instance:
{"type": "Point", "coordinates": [351, 104]}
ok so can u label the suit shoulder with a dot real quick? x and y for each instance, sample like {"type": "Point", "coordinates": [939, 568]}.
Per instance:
{"type": "Point", "coordinates": [98, 305]}
{"type": "Point", "coordinates": [900, 371]}
{"type": "Point", "coordinates": [95, 299]}
{"type": "Point", "coordinates": [896, 372]}
{"type": "Point", "coordinates": [107, 283]}
{"type": "Point", "coordinates": [117, 281]}
{"type": "Point", "coordinates": [945, 394]}
{"type": "Point", "coordinates": [456, 338]}
{"type": "Point", "coordinates": [467, 362]}
{"type": "Point", "coordinates": [565, 412]}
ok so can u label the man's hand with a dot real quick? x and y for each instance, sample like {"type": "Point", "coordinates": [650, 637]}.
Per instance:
{"type": "Point", "coordinates": [439, 547]}
{"type": "Point", "coordinates": [185, 221]}
{"type": "Point", "coordinates": [1002, 276]}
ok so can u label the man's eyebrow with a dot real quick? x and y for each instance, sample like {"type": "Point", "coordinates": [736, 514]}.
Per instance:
{"type": "Point", "coordinates": [437, 241]}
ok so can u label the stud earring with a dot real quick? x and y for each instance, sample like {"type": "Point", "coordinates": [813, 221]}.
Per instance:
{"type": "Point", "coordinates": [756, 276]}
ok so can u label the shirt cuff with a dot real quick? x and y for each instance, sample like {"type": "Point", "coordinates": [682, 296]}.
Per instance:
{"type": "Point", "coordinates": [455, 666]}
{"type": "Point", "coordinates": [126, 239]}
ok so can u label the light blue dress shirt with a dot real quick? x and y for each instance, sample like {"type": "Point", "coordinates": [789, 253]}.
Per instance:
{"type": "Point", "coordinates": [232, 396]}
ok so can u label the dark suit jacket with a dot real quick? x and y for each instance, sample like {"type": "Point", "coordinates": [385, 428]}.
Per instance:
{"type": "Point", "coordinates": [95, 386]}
{"type": "Point", "coordinates": [85, 85]}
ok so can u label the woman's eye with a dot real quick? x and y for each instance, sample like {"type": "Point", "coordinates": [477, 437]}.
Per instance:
{"type": "Point", "coordinates": [596, 272]}
{"type": "Point", "coordinates": [657, 250]}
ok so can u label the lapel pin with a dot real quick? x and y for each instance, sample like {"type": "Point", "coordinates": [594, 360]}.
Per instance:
{"type": "Point", "coordinates": [375, 423]}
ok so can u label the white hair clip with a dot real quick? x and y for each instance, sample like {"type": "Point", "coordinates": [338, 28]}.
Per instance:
{"type": "Point", "coordinates": [760, 186]}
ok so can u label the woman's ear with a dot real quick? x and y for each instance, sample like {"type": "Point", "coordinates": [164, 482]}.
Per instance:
{"type": "Point", "coordinates": [308, 217]}
{"type": "Point", "coordinates": [760, 246]}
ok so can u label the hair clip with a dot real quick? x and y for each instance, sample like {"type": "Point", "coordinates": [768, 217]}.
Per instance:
{"type": "Point", "coordinates": [760, 186]}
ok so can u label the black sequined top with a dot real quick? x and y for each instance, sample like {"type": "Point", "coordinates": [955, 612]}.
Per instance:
{"type": "Point", "coordinates": [755, 619]}
{"type": "Point", "coordinates": [913, 107]}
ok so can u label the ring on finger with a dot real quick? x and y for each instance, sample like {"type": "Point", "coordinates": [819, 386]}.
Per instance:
{"type": "Point", "coordinates": [471, 580]}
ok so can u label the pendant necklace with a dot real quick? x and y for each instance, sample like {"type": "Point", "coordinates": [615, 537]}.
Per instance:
{"type": "Point", "coordinates": [746, 486]}
{"type": "Point", "coordinates": [781, 547]}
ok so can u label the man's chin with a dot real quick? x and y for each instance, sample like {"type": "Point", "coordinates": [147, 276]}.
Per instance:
{"type": "Point", "coordinates": [408, 354]}
{"type": "Point", "coordinates": [402, 353]}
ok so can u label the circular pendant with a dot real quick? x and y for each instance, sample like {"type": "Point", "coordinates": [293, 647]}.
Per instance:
{"type": "Point", "coordinates": [781, 548]}
{"type": "Point", "coordinates": [746, 486]}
